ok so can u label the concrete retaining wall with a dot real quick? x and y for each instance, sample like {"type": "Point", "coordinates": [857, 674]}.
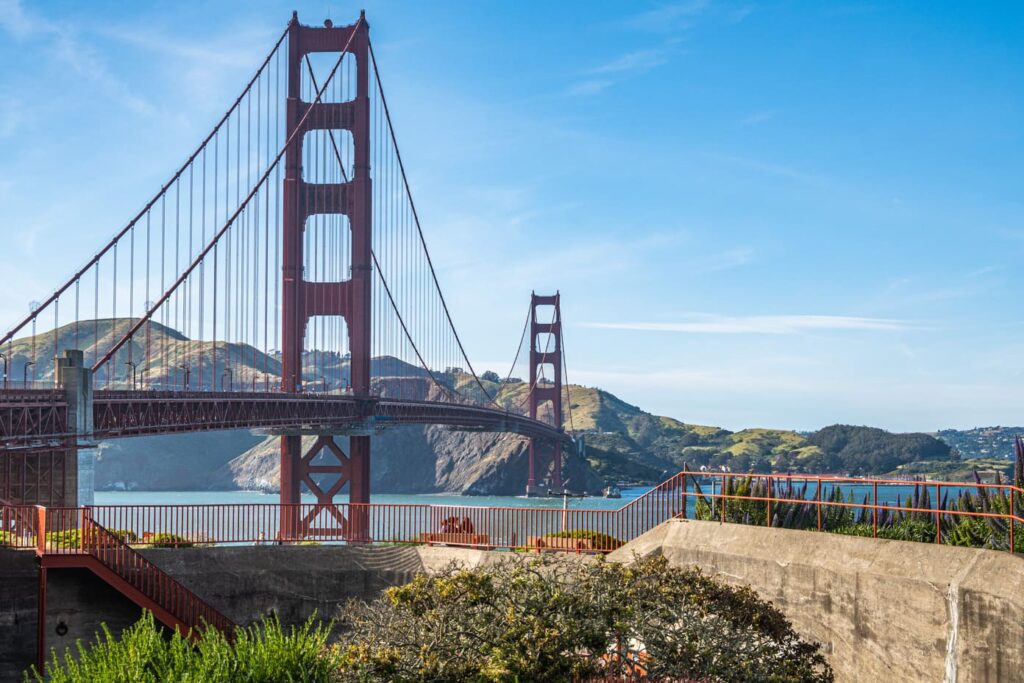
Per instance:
{"type": "Point", "coordinates": [884, 610]}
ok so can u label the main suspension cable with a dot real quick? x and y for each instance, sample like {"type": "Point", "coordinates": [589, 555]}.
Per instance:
{"type": "Point", "coordinates": [149, 205]}
{"type": "Point", "coordinates": [419, 229]}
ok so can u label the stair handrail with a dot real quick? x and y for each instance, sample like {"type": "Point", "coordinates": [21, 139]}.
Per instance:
{"type": "Point", "coordinates": [150, 580]}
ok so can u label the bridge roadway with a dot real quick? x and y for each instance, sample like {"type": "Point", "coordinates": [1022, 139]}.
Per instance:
{"type": "Point", "coordinates": [37, 418]}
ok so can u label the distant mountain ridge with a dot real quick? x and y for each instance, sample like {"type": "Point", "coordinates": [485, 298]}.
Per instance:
{"type": "Point", "coordinates": [626, 443]}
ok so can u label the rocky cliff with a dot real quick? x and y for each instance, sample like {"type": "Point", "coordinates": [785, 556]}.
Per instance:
{"type": "Point", "coordinates": [420, 460]}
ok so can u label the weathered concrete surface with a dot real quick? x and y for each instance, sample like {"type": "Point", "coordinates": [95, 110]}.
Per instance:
{"type": "Point", "coordinates": [244, 583]}
{"type": "Point", "coordinates": [884, 610]}
{"type": "Point", "coordinates": [75, 598]}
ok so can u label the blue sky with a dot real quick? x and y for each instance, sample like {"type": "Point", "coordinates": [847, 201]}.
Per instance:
{"type": "Point", "coordinates": [780, 214]}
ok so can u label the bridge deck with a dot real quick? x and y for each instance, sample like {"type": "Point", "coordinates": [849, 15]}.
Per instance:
{"type": "Point", "coordinates": [38, 418]}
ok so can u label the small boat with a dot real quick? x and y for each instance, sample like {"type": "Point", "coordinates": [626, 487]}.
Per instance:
{"type": "Point", "coordinates": [612, 492]}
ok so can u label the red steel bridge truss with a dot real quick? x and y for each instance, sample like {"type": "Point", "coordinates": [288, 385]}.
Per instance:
{"type": "Point", "coordinates": [280, 280]}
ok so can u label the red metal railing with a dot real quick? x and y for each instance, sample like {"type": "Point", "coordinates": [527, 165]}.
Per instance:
{"type": "Point", "coordinates": [492, 527]}
{"type": "Point", "coordinates": [17, 526]}
{"type": "Point", "coordinates": [925, 501]}
{"type": "Point", "coordinates": [791, 501]}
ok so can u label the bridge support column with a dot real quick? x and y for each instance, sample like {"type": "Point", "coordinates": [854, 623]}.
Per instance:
{"type": "Point", "coordinates": [351, 298]}
{"type": "Point", "coordinates": [57, 477]}
{"type": "Point", "coordinates": [545, 383]}
{"type": "Point", "coordinates": [291, 457]}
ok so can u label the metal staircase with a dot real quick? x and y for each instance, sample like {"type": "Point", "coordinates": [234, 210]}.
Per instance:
{"type": "Point", "coordinates": [69, 538]}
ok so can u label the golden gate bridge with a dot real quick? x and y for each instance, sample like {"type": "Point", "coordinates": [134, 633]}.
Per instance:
{"type": "Point", "coordinates": [280, 280]}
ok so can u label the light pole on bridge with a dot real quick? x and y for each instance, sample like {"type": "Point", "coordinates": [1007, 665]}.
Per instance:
{"type": "Point", "coordinates": [24, 373]}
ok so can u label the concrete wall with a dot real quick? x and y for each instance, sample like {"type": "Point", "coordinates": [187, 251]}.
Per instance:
{"type": "Point", "coordinates": [884, 610]}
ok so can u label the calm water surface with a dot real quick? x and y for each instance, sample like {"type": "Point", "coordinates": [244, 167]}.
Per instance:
{"type": "Point", "coordinates": [222, 497]}
{"type": "Point", "coordinates": [886, 495]}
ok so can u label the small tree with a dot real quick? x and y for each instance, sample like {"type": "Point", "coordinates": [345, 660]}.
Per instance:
{"type": "Point", "coordinates": [491, 376]}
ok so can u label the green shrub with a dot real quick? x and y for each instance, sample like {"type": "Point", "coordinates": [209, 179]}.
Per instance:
{"type": "Point", "coordinates": [972, 532]}
{"type": "Point", "coordinates": [909, 530]}
{"type": "Point", "coordinates": [72, 538]}
{"type": "Point", "coordinates": [545, 619]}
{"type": "Point", "coordinates": [597, 539]}
{"type": "Point", "coordinates": [263, 653]}
{"type": "Point", "coordinates": [164, 540]}
{"type": "Point", "coordinates": [8, 539]}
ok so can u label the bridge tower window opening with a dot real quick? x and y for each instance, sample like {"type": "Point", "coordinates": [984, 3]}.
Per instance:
{"type": "Point", "coordinates": [315, 69]}
{"type": "Point", "coordinates": [328, 156]}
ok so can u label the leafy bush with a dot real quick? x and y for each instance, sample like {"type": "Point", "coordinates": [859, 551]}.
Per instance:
{"type": "Point", "coordinates": [164, 540]}
{"type": "Point", "coordinates": [72, 538]}
{"type": "Point", "coordinates": [263, 653]}
{"type": "Point", "coordinates": [543, 619]}
{"type": "Point", "coordinates": [906, 530]}
{"type": "Point", "coordinates": [597, 539]}
{"type": "Point", "coordinates": [8, 539]}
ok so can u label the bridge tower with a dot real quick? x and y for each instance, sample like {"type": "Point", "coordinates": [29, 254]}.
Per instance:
{"type": "Point", "coordinates": [350, 298]}
{"type": "Point", "coordinates": [546, 381]}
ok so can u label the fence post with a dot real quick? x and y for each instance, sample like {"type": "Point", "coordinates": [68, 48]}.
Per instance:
{"type": "Point", "coordinates": [874, 510]}
{"type": "Point", "coordinates": [938, 517]}
{"type": "Point", "coordinates": [40, 530]}
{"type": "Point", "coordinates": [768, 519]}
{"type": "Point", "coordinates": [817, 497]}
{"type": "Point", "coordinates": [722, 490]}
{"type": "Point", "coordinates": [686, 497]}
{"type": "Point", "coordinates": [86, 539]}
{"type": "Point", "coordinates": [1013, 517]}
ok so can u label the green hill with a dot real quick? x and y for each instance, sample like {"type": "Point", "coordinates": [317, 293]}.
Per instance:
{"type": "Point", "coordinates": [625, 443]}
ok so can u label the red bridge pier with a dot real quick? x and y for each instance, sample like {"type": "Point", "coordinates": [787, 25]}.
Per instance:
{"type": "Point", "coordinates": [545, 359]}
{"type": "Point", "coordinates": [351, 298]}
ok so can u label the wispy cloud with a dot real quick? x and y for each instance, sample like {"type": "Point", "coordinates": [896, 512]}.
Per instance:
{"type": "Point", "coordinates": [758, 117]}
{"type": "Point", "coordinates": [204, 68]}
{"type": "Point", "coordinates": [12, 114]}
{"type": "Point", "coordinates": [14, 20]}
{"type": "Point", "coordinates": [760, 324]}
{"type": "Point", "coordinates": [668, 17]}
{"type": "Point", "coordinates": [68, 49]}
{"type": "Point", "coordinates": [726, 260]}
{"type": "Point", "coordinates": [637, 62]}
{"type": "Point", "coordinates": [769, 168]}
{"type": "Point", "coordinates": [985, 270]}
{"type": "Point", "coordinates": [740, 13]}
{"type": "Point", "coordinates": [630, 64]}
{"type": "Point", "coordinates": [590, 87]}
